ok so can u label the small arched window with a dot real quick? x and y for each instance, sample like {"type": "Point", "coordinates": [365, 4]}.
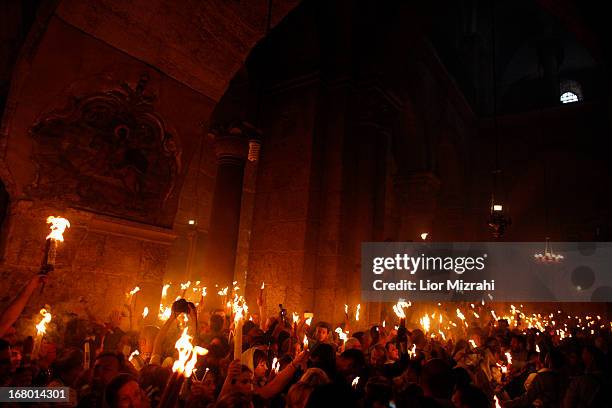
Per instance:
{"type": "Point", "coordinates": [571, 91]}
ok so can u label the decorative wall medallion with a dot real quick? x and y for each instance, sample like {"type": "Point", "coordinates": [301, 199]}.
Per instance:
{"type": "Point", "coordinates": [109, 152]}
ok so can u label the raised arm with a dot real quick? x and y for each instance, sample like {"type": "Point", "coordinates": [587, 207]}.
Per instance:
{"type": "Point", "coordinates": [13, 311]}
{"type": "Point", "coordinates": [281, 380]}
{"type": "Point", "coordinates": [159, 339]}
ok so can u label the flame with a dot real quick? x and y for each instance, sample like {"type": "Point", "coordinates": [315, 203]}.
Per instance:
{"type": "Point", "coordinates": [341, 334]}
{"type": "Point", "coordinates": [58, 226]}
{"type": "Point", "coordinates": [223, 292]}
{"type": "Point", "coordinates": [425, 322]}
{"type": "Point", "coordinates": [164, 312]}
{"type": "Point", "coordinates": [345, 309]}
{"type": "Point", "coordinates": [263, 285]}
{"type": "Point", "coordinates": [240, 308]}
{"type": "Point", "coordinates": [398, 308]}
{"type": "Point", "coordinates": [355, 382]}
{"type": "Point", "coordinates": [537, 348]}
{"type": "Point", "coordinates": [309, 321]}
{"type": "Point", "coordinates": [185, 285]}
{"type": "Point", "coordinates": [509, 357]}
{"type": "Point", "coordinates": [473, 343]}
{"type": "Point", "coordinates": [133, 291]}
{"type": "Point", "coordinates": [497, 405]}
{"type": "Point", "coordinates": [412, 351]}
{"type": "Point", "coordinates": [275, 365]}
{"type": "Point", "coordinates": [41, 327]}
{"type": "Point", "coordinates": [296, 317]}
{"type": "Point", "coordinates": [188, 355]}
{"type": "Point", "coordinates": [133, 355]}
{"type": "Point", "coordinates": [145, 312]}
{"type": "Point", "coordinates": [357, 312]}
{"type": "Point", "coordinates": [442, 335]}
{"type": "Point", "coordinates": [165, 290]}
{"type": "Point", "coordinates": [305, 342]}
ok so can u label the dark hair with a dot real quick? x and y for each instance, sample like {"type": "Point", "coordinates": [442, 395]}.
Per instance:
{"type": "Point", "coordinates": [247, 327]}
{"type": "Point", "coordinates": [234, 400]}
{"type": "Point", "coordinates": [473, 397]}
{"type": "Point", "coordinates": [112, 389]}
{"type": "Point", "coordinates": [325, 325]}
{"type": "Point", "coordinates": [462, 377]}
{"type": "Point", "coordinates": [438, 378]}
{"type": "Point", "coordinates": [378, 389]}
{"type": "Point", "coordinates": [323, 356]}
{"type": "Point", "coordinates": [119, 357]}
{"type": "Point", "coordinates": [258, 357]}
{"type": "Point", "coordinates": [356, 357]}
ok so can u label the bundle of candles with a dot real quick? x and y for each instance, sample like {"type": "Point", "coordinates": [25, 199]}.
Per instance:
{"type": "Point", "coordinates": [182, 369]}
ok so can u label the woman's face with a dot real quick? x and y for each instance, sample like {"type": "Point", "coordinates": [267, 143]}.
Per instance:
{"type": "Point", "coordinates": [131, 396]}
{"type": "Point", "coordinates": [261, 369]}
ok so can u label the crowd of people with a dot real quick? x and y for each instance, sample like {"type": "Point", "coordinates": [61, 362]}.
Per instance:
{"type": "Point", "coordinates": [288, 364]}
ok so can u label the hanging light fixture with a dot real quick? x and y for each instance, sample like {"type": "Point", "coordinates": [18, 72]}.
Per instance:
{"type": "Point", "coordinates": [499, 220]}
{"type": "Point", "coordinates": [548, 256]}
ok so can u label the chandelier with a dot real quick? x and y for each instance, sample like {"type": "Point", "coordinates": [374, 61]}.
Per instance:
{"type": "Point", "coordinates": [548, 256]}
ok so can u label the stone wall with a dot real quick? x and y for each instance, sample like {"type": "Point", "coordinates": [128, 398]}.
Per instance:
{"type": "Point", "coordinates": [106, 141]}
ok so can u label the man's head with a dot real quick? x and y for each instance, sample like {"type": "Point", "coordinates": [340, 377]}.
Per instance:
{"type": "Point", "coordinates": [107, 367]}
{"type": "Point", "coordinates": [392, 351]}
{"type": "Point", "coordinates": [322, 332]}
{"type": "Point", "coordinates": [244, 381]}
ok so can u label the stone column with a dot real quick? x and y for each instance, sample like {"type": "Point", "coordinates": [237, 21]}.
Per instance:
{"type": "Point", "coordinates": [231, 148]}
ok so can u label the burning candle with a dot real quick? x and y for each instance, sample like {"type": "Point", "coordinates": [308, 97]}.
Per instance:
{"type": "Point", "coordinates": [182, 368]}
{"type": "Point", "coordinates": [132, 302]}
{"type": "Point", "coordinates": [58, 226]}
{"type": "Point", "coordinates": [41, 329]}
{"type": "Point", "coordinates": [239, 314]}
{"type": "Point", "coordinates": [357, 312]}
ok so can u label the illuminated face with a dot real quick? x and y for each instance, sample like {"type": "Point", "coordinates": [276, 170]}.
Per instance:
{"type": "Point", "coordinates": [131, 396]}
{"type": "Point", "coordinates": [392, 352]}
{"type": "Point", "coordinates": [321, 334]}
{"type": "Point", "coordinates": [244, 383]}
{"type": "Point", "coordinates": [261, 369]}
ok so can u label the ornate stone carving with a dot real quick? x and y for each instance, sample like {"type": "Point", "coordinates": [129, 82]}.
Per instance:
{"type": "Point", "coordinates": [109, 152]}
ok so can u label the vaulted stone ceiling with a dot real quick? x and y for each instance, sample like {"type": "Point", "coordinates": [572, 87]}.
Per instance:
{"type": "Point", "coordinates": [199, 43]}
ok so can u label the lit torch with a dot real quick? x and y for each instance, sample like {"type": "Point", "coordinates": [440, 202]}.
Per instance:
{"type": "Point", "coordinates": [182, 368]}
{"type": "Point", "coordinates": [41, 329]}
{"type": "Point", "coordinates": [58, 226]}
